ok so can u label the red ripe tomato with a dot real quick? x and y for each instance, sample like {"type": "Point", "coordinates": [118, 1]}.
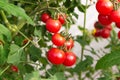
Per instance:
{"type": "Point", "coordinates": [118, 0]}
{"type": "Point", "coordinates": [58, 39]}
{"type": "Point", "coordinates": [109, 27]}
{"type": "Point", "coordinates": [70, 59]}
{"type": "Point", "coordinates": [104, 19]}
{"type": "Point", "coordinates": [69, 44]}
{"type": "Point", "coordinates": [117, 25]}
{"type": "Point", "coordinates": [45, 17]}
{"type": "Point", "coordinates": [14, 68]}
{"type": "Point", "coordinates": [53, 25]}
{"type": "Point", "coordinates": [105, 33]}
{"type": "Point", "coordinates": [115, 15]}
{"type": "Point", "coordinates": [104, 6]}
{"type": "Point", "coordinates": [119, 35]}
{"type": "Point", "coordinates": [62, 18]}
{"type": "Point", "coordinates": [56, 56]}
{"type": "Point", "coordinates": [97, 33]}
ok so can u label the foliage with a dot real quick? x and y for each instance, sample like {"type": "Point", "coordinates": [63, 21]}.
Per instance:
{"type": "Point", "coordinates": [25, 41]}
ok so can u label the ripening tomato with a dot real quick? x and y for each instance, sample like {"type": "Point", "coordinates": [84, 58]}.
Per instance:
{"type": "Point", "coordinates": [105, 33]}
{"type": "Point", "coordinates": [70, 59]}
{"type": "Point", "coordinates": [117, 25]}
{"type": "Point", "coordinates": [98, 25]}
{"type": "Point", "coordinates": [69, 44]}
{"type": "Point", "coordinates": [115, 15]}
{"type": "Point", "coordinates": [53, 25]}
{"type": "Point", "coordinates": [56, 56]}
{"type": "Point", "coordinates": [104, 19]}
{"type": "Point", "coordinates": [62, 18]}
{"type": "Point", "coordinates": [58, 39]}
{"type": "Point", "coordinates": [14, 68]}
{"type": "Point", "coordinates": [104, 6]}
{"type": "Point", "coordinates": [119, 35]}
{"type": "Point", "coordinates": [45, 17]}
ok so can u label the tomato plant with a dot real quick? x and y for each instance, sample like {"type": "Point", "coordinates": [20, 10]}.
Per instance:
{"type": "Point", "coordinates": [36, 41]}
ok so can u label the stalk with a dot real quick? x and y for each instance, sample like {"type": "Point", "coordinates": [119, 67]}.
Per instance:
{"type": "Point", "coordinates": [5, 19]}
{"type": "Point", "coordinates": [83, 46]}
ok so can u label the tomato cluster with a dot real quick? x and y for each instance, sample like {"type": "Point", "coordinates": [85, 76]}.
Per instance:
{"type": "Point", "coordinates": [108, 13]}
{"type": "Point", "coordinates": [63, 42]}
{"type": "Point", "coordinates": [102, 30]}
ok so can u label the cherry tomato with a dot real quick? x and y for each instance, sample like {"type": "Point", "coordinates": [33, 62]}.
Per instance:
{"type": "Point", "coordinates": [119, 35]}
{"type": "Point", "coordinates": [56, 56]}
{"type": "Point", "coordinates": [97, 33]}
{"type": "Point", "coordinates": [115, 15]}
{"type": "Point", "coordinates": [104, 19]}
{"type": "Point", "coordinates": [105, 33]}
{"type": "Point", "coordinates": [104, 6]}
{"type": "Point", "coordinates": [14, 68]}
{"type": "Point", "coordinates": [98, 25]}
{"type": "Point", "coordinates": [45, 17]}
{"type": "Point", "coordinates": [70, 59]}
{"type": "Point", "coordinates": [117, 25]}
{"type": "Point", "coordinates": [62, 18]}
{"type": "Point", "coordinates": [109, 27]}
{"type": "Point", "coordinates": [58, 39]}
{"type": "Point", "coordinates": [53, 25]}
{"type": "Point", "coordinates": [69, 44]}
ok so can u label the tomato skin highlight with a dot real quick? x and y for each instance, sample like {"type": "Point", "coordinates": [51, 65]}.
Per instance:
{"type": "Point", "coordinates": [56, 56]}
{"type": "Point", "coordinates": [53, 25]}
{"type": "Point", "coordinates": [45, 17]}
{"type": "Point", "coordinates": [104, 6]}
{"type": "Point", "coordinates": [104, 19]}
{"type": "Point", "coordinates": [69, 44]}
{"type": "Point", "coordinates": [58, 39]}
{"type": "Point", "coordinates": [70, 59]}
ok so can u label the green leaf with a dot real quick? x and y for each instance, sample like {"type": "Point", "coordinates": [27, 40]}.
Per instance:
{"type": "Point", "coordinates": [15, 10]}
{"type": "Point", "coordinates": [32, 76]}
{"type": "Point", "coordinates": [109, 60]}
{"type": "Point", "coordinates": [15, 54]}
{"type": "Point", "coordinates": [40, 31]}
{"type": "Point", "coordinates": [35, 53]}
{"type": "Point", "coordinates": [59, 76]}
{"type": "Point", "coordinates": [5, 31]}
{"type": "Point", "coordinates": [83, 65]}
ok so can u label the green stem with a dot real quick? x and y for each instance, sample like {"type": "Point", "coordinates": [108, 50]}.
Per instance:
{"type": "Point", "coordinates": [83, 46]}
{"type": "Point", "coordinates": [5, 19]}
{"type": "Point", "coordinates": [4, 70]}
{"type": "Point", "coordinates": [25, 37]}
